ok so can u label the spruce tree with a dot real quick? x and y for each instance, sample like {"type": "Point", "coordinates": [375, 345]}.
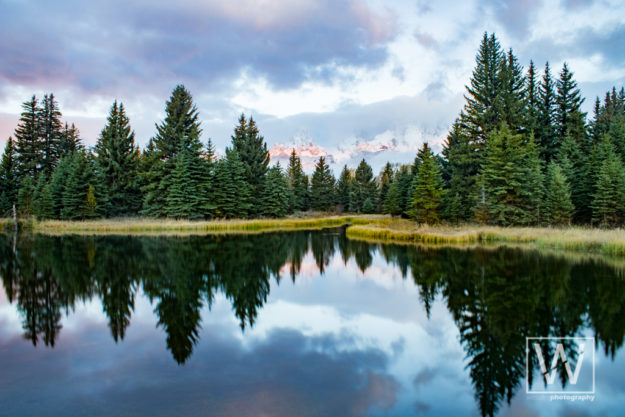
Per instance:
{"type": "Point", "coordinates": [573, 164]}
{"type": "Point", "coordinates": [569, 118]}
{"type": "Point", "coordinates": [276, 193]}
{"type": "Point", "coordinates": [511, 94]}
{"type": "Point", "coordinates": [43, 207]}
{"type": "Point", "coordinates": [50, 131]}
{"type": "Point", "coordinates": [511, 179]}
{"type": "Point", "coordinates": [8, 178]}
{"type": "Point", "coordinates": [70, 140]}
{"type": "Point", "coordinates": [546, 131]}
{"type": "Point", "coordinates": [364, 187]}
{"type": "Point", "coordinates": [344, 187]}
{"type": "Point", "coordinates": [427, 195]}
{"type": "Point", "coordinates": [118, 163]}
{"type": "Point", "coordinates": [322, 187]}
{"type": "Point", "coordinates": [386, 178]}
{"type": "Point", "coordinates": [393, 203]}
{"type": "Point", "coordinates": [28, 141]}
{"type": "Point", "coordinates": [558, 205]}
{"type": "Point", "coordinates": [252, 152]}
{"type": "Point", "coordinates": [180, 131]}
{"type": "Point", "coordinates": [531, 100]}
{"type": "Point", "coordinates": [25, 196]}
{"type": "Point", "coordinates": [231, 192]}
{"type": "Point", "coordinates": [298, 183]}
{"type": "Point", "coordinates": [80, 177]}
{"type": "Point", "coordinates": [57, 184]}
{"type": "Point", "coordinates": [608, 205]}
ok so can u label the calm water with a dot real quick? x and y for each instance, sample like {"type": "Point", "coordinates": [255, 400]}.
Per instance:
{"type": "Point", "coordinates": [295, 324]}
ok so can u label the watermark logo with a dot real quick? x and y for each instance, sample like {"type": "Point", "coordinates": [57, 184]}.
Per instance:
{"type": "Point", "coordinates": [560, 367]}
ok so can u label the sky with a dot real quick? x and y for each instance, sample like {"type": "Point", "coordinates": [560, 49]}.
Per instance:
{"type": "Point", "coordinates": [354, 79]}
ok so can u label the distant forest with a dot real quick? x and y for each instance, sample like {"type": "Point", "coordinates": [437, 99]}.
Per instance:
{"type": "Point", "coordinates": [521, 152]}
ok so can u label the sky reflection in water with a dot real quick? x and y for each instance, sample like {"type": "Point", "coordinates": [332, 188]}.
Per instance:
{"type": "Point", "coordinates": [204, 326]}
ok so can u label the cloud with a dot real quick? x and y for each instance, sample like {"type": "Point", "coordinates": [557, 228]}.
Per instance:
{"type": "Point", "coordinates": [130, 46]}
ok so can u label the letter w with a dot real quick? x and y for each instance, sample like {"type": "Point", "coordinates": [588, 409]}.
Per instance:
{"type": "Point", "coordinates": [559, 353]}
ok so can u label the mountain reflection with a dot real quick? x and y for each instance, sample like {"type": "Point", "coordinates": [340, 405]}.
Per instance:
{"type": "Point", "coordinates": [497, 296]}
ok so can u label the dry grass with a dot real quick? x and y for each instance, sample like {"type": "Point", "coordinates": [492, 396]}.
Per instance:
{"type": "Point", "coordinates": [609, 242]}
{"type": "Point", "coordinates": [170, 226]}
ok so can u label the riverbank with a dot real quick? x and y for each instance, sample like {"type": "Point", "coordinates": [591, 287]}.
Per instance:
{"type": "Point", "coordinates": [604, 241]}
{"type": "Point", "coordinates": [362, 227]}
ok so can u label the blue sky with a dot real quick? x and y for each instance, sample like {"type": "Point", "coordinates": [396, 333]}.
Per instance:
{"type": "Point", "coordinates": [361, 78]}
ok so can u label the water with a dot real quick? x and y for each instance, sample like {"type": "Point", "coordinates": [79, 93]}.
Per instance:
{"type": "Point", "coordinates": [295, 324]}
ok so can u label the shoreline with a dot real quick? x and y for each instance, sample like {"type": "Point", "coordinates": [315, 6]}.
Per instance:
{"type": "Point", "coordinates": [377, 228]}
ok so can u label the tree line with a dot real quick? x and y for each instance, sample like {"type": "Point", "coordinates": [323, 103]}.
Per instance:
{"type": "Point", "coordinates": [521, 152]}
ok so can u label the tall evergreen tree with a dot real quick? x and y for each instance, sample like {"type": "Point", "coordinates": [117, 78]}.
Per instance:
{"type": "Point", "coordinates": [43, 207]}
{"type": "Point", "coordinates": [608, 206]}
{"type": "Point", "coordinates": [28, 143]}
{"type": "Point", "coordinates": [558, 205]}
{"type": "Point", "coordinates": [8, 178]}
{"type": "Point", "coordinates": [511, 95]}
{"type": "Point", "coordinates": [298, 183]}
{"type": "Point", "coordinates": [276, 193]}
{"type": "Point", "coordinates": [364, 188]}
{"type": "Point", "coordinates": [531, 99]}
{"type": "Point", "coordinates": [70, 140]}
{"type": "Point", "coordinates": [569, 118]}
{"type": "Point", "coordinates": [50, 131]}
{"type": "Point", "coordinates": [118, 163]}
{"type": "Point", "coordinates": [511, 179]}
{"type": "Point", "coordinates": [573, 164]}
{"type": "Point", "coordinates": [481, 112]}
{"type": "Point", "coordinates": [58, 181]}
{"type": "Point", "coordinates": [386, 178]}
{"type": "Point", "coordinates": [322, 186]}
{"type": "Point", "coordinates": [180, 131]}
{"type": "Point", "coordinates": [80, 178]}
{"type": "Point", "coordinates": [252, 151]}
{"type": "Point", "coordinates": [25, 196]}
{"type": "Point", "coordinates": [546, 131]}
{"type": "Point", "coordinates": [344, 187]}
{"type": "Point", "coordinates": [427, 195]}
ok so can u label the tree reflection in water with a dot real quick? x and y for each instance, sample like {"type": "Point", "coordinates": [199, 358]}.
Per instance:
{"type": "Point", "coordinates": [497, 296]}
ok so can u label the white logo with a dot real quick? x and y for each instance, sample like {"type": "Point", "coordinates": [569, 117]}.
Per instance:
{"type": "Point", "coordinates": [579, 345]}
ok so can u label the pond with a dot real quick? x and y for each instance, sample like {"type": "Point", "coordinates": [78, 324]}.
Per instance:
{"type": "Point", "coordinates": [302, 324]}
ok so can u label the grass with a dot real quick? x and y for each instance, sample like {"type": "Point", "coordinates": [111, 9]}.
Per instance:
{"type": "Point", "coordinates": [608, 242]}
{"type": "Point", "coordinates": [364, 227]}
{"type": "Point", "coordinates": [169, 226]}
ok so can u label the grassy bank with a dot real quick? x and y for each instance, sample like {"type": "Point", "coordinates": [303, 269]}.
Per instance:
{"type": "Point", "coordinates": [607, 242]}
{"type": "Point", "coordinates": [167, 226]}
{"type": "Point", "coordinates": [364, 227]}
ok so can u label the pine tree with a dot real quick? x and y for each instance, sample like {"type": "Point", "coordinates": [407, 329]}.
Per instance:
{"type": "Point", "coordinates": [393, 203]}
{"type": "Point", "coordinates": [28, 142]}
{"type": "Point", "coordinates": [386, 178]}
{"type": "Point", "coordinates": [91, 203]}
{"type": "Point", "coordinates": [118, 163]}
{"type": "Point", "coordinates": [546, 131]}
{"type": "Point", "coordinates": [344, 187]}
{"type": "Point", "coordinates": [276, 193]}
{"type": "Point", "coordinates": [25, 197]}
{"type": "Point", "coordinates": [322, 187]}
{"type": "Point", "coordinates": [8, 178]}
{"type": "Point", "coordinates": [298, 183]}
{"type": "Point", "coordinates": [558, 205]}
{"type": "Point", "coordinates": [569, 118]}
{"type": "Point", "coordinates": [252, 152]}
{"type": "Point", "coordinates": [511, 179]}
{"type": "Point", "coordinates": [511, 95]}
{"type": "Point", "coordinates": [462, 168]}
{"type": "Point", "coordinates": [481, 112]}
{"type": "Point", "coordinates": [79, 179]}
{"type": "Point", "coordinates": [51, 131]}
{"type": "Point", "coordinates": [231, 192]}
{"type": "Point", "coordinates": [609, 199]}
{"type": "Point", "coordinates": [70, 141]}
{"type": "Point", "coordinates": [427, 195]}
{"type": "Point", "coordinates": [57, 184]}
{"type": "Point", "coordinates": [363, 187]}
{"type": "Point", "coordinates": [43, 207]}
{"type": "Point", "coordinates": [531, 100]}
{"type": "Point", "coordinates": [180, 131]}
{"type": "Point", "coordinates": [573, 164]}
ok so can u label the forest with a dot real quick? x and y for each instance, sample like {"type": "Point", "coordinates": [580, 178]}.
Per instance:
{"type": "Point", "coordinates": [521, 152]}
